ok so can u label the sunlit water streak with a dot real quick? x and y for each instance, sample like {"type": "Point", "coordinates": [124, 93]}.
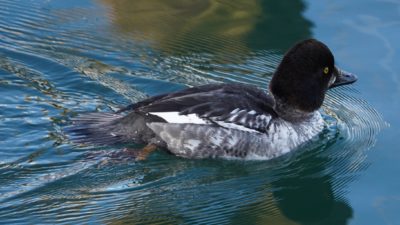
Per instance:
{"type": "Point", "coordinates": [52, 68]}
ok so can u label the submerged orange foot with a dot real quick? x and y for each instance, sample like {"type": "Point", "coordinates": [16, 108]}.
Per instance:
{"type": "Point", "coordinates": [143, 153]}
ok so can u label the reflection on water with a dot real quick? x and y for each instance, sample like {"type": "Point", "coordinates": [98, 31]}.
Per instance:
{"type": "Point", "coordinates": [217, 26]}
{"type": "Point", "coordinates": [302, 194]}
{"type": "Point", "coordinates": [61, 58]}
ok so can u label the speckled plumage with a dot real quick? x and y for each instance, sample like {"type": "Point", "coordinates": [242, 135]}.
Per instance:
{"type": "Point", "coordinates": [204, 141]}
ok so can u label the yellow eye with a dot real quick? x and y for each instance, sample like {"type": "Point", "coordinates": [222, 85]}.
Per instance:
{"type": "Point", "coordinates": [326, 70]}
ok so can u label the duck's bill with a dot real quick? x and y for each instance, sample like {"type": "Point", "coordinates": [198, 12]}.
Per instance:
{"type": "Point", "coordinates": [342, 78]}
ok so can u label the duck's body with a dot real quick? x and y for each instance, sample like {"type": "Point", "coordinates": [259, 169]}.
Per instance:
{"type": "Point", "coordinates": [227, 120]}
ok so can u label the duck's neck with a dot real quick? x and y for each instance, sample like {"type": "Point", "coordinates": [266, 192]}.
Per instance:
{"type": "Point", "coordinates": [291, 114]}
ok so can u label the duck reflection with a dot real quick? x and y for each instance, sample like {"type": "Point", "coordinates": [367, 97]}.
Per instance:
{"type": "Point", "coordinates": [308, 200]}
{"type": "Point", "coordinates": [226, 26]}
{"type": "Point", "coordinates": [299, 189]}
{"type": "Point", "coordinates": [303, 193]}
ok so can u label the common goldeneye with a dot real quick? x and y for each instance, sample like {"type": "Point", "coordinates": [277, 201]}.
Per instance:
{"type": "Point", "coordinates": [227, 120]}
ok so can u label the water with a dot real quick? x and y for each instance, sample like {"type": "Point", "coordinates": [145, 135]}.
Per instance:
{"type": "Point", "coordinates": [61, 58]}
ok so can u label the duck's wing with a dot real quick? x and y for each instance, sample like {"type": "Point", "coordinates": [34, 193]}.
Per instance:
{"type": "Point", "coordinates": [226, 105]}
{"type": "Point", "coordinates": [198, 109]}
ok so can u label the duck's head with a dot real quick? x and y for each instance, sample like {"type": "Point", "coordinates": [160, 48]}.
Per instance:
{"type": "Point", "coordinates": [301, 80]}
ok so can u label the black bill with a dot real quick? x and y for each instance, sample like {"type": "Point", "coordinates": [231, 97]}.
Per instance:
{"type": "Point", "coordinates": [342, 78]}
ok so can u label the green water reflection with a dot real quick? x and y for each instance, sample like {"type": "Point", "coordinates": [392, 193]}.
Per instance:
{"type": "Point", "coordinates": [229, 27]}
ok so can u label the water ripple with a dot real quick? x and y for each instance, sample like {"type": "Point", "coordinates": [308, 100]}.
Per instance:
{"type": "Point", "coordinates": [58, 61]}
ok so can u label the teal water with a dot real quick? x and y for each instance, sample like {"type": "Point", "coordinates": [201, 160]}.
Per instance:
{"type": "Point", "coordinates": [62, 58]}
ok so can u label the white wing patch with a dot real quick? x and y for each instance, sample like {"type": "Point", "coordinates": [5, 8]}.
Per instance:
{"type": "Point", "coordinates": [235, 126]}
{"type": "Point", "coordinates": [239, 119]}
{"type": "Point", "coordinates": [175, 117]}
{"type": "Point", "coordinates": [247, 120]}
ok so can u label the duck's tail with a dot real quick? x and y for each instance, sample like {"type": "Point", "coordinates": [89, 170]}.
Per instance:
{"type": "Point", "coordinates": [113, 128]}
{"type": "Point", "coordinates": [95, 128]}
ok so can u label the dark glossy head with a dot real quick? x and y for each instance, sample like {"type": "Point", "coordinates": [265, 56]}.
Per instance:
{"type": "Point", "coordinates": [306, 72]}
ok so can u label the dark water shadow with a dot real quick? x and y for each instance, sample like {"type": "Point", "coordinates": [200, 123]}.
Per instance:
{"type": "Point", "coordinates": [305, 193]}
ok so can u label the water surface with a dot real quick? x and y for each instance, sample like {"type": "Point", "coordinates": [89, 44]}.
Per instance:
{"type": "Point", "coordinates": [62, 58]}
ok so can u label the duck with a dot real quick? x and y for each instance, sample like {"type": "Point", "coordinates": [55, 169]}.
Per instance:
{"type": "Point", "coordinates": [227, 120]}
